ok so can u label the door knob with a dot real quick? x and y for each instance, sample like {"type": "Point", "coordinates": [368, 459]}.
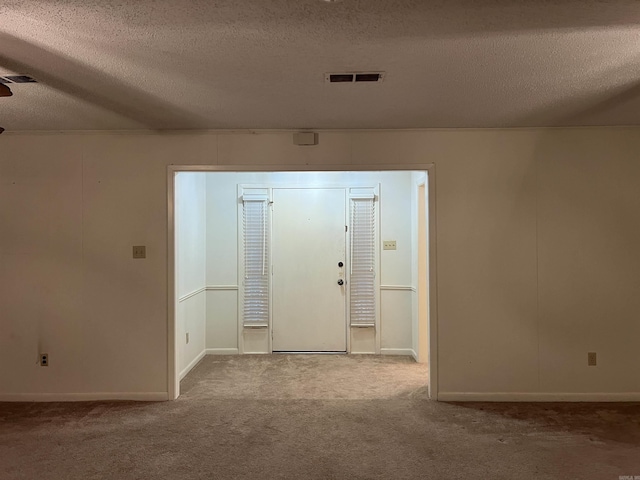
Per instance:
{"type": "Point", "coordinates": [340, 282]}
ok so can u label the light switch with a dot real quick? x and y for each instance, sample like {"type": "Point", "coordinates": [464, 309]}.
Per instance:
{"type": "Point", "coordinates": [139, 251]}
{"type": "Point", "coordinates": [389, 245]}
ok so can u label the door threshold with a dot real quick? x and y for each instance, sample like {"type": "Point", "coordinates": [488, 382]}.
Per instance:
{"type": "Point", "coordinates": [296, 352]}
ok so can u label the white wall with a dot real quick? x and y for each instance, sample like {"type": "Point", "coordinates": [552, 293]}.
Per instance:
{"type": "Point", "coordinates": [395, 268]}
{"type": "Point", "coordinates": [191, 232]}
{"type": "Point", "coordinates": [191, 240]}
{"type": "Point", "coordinates": [222, 263]}
{"type": "Point", "coordinates": [537, 258]}
{"type": "Point", "coordinates": [418, 178]}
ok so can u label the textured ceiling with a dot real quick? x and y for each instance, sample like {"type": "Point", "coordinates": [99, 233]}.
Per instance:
{"type": "Point", "coordinates": [231, 64]}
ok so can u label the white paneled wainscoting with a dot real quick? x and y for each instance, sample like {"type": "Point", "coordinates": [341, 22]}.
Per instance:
{"type": "Point", "coordinates": [210, 316]}
{"type": "Point", "coordinates": [214, 304]}
{"type": "Point", "coordinates": [397, 300]}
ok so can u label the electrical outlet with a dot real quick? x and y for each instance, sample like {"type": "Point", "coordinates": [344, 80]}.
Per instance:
{"type": "Point", "coordinates": [139, 251]}
{"type": "Point", "coordinates": [44, 359]}
{"type": "Point", "coordinates": [187, 337]}
{"type": "Point", "coordinates": [592, 359]}
{"type": "Point", "coordinates": [389, 245]}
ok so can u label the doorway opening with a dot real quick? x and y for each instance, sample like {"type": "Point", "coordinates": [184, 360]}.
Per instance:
{"type": "Point", "coordinates": [300, 262]}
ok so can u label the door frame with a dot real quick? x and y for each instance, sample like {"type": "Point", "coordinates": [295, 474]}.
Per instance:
{"type": "Point", "coordinates": [421, 189]}
{"type": "Point", "coordinates": [348, 198]}
{"type": "Point", "coordinates": [173, 377]}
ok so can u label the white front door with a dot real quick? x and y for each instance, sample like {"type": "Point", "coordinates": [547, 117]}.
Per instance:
{"type": "Point", "coordinates": [309, 306]}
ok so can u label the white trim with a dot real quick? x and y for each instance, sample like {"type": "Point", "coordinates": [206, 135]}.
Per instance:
{"type": "Point", "coordinates": [407, 288]}
{"type": "Point", "coordinates": [537, 397]}
{"type": "Point", "coordinates": [397, 351]}
{"type": "Point", "coordinates": [347, 269]}
{"type": "Point", "coordinates": [192, 294]}
{"type": "Point", "coordinates": [361, 194]}
{"type": "Point", "coordinates": [173, 377]}
{"type": "Point", "coordinates": [308, 167]}
{"type": "Point", "coordinates": [378, 253]}
{"type": "Point", "coordinates": [192, 364]}
{"type": "Point", "coordinates": [432, 271]}
{"type": "Point", "coordinates": [414, 354]}
{"type": "Point", "coordinates": [84, 397]}
{"type": "Point", "coordinates": [222, 351]}
{"type": "Point", "coordinates": [255, 197]}
{"type": "Point", "coordinates": [270, 131]}
{"type": "Point", "coordinates": [240, 268]}
{"type": "Point", "coordinates": [217, 288]}
{"type": "Point", "coordinates": [289, 185]}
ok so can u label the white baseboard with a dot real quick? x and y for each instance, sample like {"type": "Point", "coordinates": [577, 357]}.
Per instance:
{"type": "Point", "coordinates": [414, 354]}
{"type": "Point", "coordinates": [84, 397]}
{"type": "Point", "coordinates": [193, 363]}
{"type": "Point", "coordinates": [537, 397]}
{"type": "Point", "coordinates": [221, 351]}
{"type": "Point", "coordinates": [397, 351]}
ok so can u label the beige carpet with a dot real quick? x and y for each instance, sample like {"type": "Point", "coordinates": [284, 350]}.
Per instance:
{"type": "Point", "coordinates": [316, 417]}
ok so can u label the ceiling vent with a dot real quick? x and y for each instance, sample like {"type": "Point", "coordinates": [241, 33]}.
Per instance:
{"type": "Point", "coordinates": [354, 77]}
{"type": "Point", "coordinates": [17, 79]}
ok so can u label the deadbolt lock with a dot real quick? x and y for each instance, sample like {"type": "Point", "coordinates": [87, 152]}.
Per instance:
{"type": "Point", "coordinates": [340, 282]}
{"type": "Point", "coordinates": [340, 264]}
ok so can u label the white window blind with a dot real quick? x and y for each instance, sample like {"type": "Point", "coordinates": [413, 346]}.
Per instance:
{"type": "Point", "coordinates": [256, 261]}
{"type": "Point", "coordinates": [363, 255]}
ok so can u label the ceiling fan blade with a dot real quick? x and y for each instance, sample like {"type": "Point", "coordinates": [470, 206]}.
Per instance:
{"type": "Point", "coordinates": [91, 85]}
{"type": "Point", "coordinates": [5, 91]}
{"type": "Point", "coordinates": [621, 97]}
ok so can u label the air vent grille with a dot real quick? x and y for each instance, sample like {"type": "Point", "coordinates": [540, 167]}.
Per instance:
{"type": "Point", "coordinates": [17, 79]}
{"type": "Point", "coordinates": [354, 77]}
{"type": "Point", "coordinates": [367, 77]}
{"type": "Point", "coordinates": [341, 78]}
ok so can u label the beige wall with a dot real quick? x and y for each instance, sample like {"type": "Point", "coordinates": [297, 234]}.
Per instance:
{"type": "Point", "coordinates": [537, 257]}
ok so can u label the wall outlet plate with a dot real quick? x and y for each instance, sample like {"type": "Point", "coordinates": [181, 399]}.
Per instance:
{"type": "Point", "coordinates": [139, 251]}
{"type": "Point", "coordinates": [592, 359]}
{"type": "Point", "coordinates": [44, 359]}
{"type": "Point", "coordinates": [389, 245]}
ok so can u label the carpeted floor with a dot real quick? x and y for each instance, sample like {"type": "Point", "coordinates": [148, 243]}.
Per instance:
{"type": "Point", "coordinates": [316, 417]}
